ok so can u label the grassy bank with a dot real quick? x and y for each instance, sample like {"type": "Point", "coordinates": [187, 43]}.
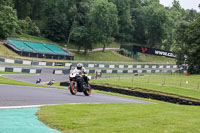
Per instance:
{"type": "Point", "coordinates": [114, 56]}
{"type": "Point", "coordinates": [15, 82]}
{"type": "Point", "coordinates": [92, 56]}
{"type": "Point", "coordinates": [7, 81]}
{"type": "Point", "coordinates": [15, 73]}
{"type": "Point", "coordinates": [126, 118]}
{"type": "Point", "coordinates": [188, 86]}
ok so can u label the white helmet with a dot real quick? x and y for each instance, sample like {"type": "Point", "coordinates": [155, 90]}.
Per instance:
{"type": "Point", "coordinates": [79, 66]}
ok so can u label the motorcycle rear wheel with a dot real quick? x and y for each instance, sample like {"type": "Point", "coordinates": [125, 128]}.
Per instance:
{"type": "Point", "coordinates": [72, 88]}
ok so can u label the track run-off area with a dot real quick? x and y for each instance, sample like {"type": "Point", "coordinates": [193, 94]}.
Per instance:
{"type": "Point", "coordinates": [18, 104]}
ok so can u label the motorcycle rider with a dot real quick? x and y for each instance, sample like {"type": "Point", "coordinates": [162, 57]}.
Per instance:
{"type": "Point", "coordinates": [82, 72]}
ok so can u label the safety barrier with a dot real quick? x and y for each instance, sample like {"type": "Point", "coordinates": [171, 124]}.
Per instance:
{"type": "Point", "coordinates": [20, 70]}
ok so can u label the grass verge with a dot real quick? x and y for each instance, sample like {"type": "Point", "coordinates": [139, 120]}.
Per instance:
{"type": "Point", "coordinates": [110, 55]}
{"type": "Point", "coordinates": [126, 118]}
{"type": "Point", "coordinates": [154, 82]}
{"type": "Point", "coordinates": [15, 73]}
{"type": "Point", "coordinates": [92, 56]}
{"type": "Point", "coordinates": [15, 82]}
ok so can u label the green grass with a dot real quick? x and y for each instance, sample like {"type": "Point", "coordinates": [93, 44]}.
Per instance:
{"type": "Point", "coordinates": [122, 118]}
{"type": "Point", "coordinates": [15, 82]}
{"type": "Point", "coordinates": [5, 52]}
{"type": "Point", "coordinates": [112, 45]}
{"type": "Point", "coordinates": [102, 56]}
{"type": "Point", "coordinates": [156, 59]}
{"type": "Point", "coordinates": [92, 56]}
{"type": "Point", "coordinates": [111, 74]}
{"type": "Point", "coordinates": [114, 56]}
{"type": "Point", "coordinates": [174, 84]}
{"type": "Point", "coordinates": [15, 73]}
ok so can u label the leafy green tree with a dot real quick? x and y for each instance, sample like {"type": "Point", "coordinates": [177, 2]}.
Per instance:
{"type": "Point", "coordinates": [80, 28]}
{"type": "Point", "coordinates": [78, 21]}
{"type": "Point", "coordinates": [56, 28]}
{"type": "Point", "coordinates": [190, 15]}
{"type": "Point", "coordinates": [193, 46]}
{"type": "Point", "coordinates": [151, 22]}
{"type": "Point", "coordinates": [103, 21]}
{"type": "Point", "coordinates": [180, 47]}
{"type": "Point", "coordinates": [126, 23]}
{"type": "Point", "coordinates": [139, 33]}
{"type": "Point", "coordinates": [6, 3]}
{"type": "Point", "coordinates": [58, 19]}
{"type": "Point", "coordinates": [8, 21]}
{"type": "Point", "coordinates": [23, 8]}
{"type": "Point", "coordinates": [29, 27]}
{"type": "Point", "coordinates": [81, 38]}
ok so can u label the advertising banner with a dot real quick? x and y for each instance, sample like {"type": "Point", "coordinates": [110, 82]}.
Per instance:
{"type": "Point", "coordinates": [146, 50]}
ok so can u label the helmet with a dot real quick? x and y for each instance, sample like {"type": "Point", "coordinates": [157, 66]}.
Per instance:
{"type": "Point", "coordinates": [79, 66]}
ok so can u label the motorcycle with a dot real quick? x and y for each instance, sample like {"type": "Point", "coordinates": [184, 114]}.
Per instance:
{"type": "Point", "coordinates": [78, 83]}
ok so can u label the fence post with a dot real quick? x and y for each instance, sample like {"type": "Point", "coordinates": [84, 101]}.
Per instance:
{"type": "Point", "coordinates": [132, 78]}
{"type": "Point", "coordinates": [164, 81]}
{"type": "Point", "coordinates": [180, 82]}
{"type": "Point", "coordinates": [149, 78]}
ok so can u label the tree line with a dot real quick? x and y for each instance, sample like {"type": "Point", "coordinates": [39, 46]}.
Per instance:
{"type": "Point", "coordinates": [86, 23]}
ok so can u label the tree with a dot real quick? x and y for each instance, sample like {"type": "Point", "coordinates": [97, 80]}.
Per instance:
{"type": "Point", "coordinates": [126, 23]}
{"type": "Point", "coordinates": [80, 28]}
{"type": "Point", "coordinates": [151, 22]}
{"type": "Point", "coordinates": [103, 21]}
{"type": "Point", "coordinates": [190, 15]}
{"type": "Point", "coordinates": [81, 38]}
{"type": "Point", "coordinates": [193, 46]}
{"type": "Point", "coordinates": [29, 27]}
{"type": "Point", "coordinates": [23, 8]}
{"type": "Point", "coordinates": [6, 3]}
{"type": "Point", "coordinates": [79, 19]}
{"type": "Point", "coordinates": [56, 27]}
{"type": "Point", "coordinates": [8, 21]}
{"type": "Point", "coordinates": [58, 17]}
{"type": "Point", "coordinates": [180, 46]}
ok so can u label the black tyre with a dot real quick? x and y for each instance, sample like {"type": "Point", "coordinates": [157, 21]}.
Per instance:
{"type": "Point", "coordinates": [72, 88]}
{"type": "Point", "coordinates": [88, 91]}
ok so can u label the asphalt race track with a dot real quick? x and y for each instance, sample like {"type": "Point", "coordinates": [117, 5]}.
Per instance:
{"type": "Point", "coordinates": [12, 95]}
{"type": "Point", "coordinates": [32, 78]}
{"type": "Point", "coordinates": [25, 96]}
{"type": "Point", "coordinates": [46, 76]}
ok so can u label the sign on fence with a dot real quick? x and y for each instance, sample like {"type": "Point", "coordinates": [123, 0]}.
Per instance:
{"type": "Point", "coordinates": [146, 50]}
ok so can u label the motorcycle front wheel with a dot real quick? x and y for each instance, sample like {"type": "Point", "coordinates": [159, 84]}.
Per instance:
{"type": "Point", "coordinates": [72, 88]}
{"type": "Point", "coordinates": [87, 92]}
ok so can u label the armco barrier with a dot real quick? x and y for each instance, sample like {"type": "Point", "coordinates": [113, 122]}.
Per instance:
{"type": "Point", "coordinates": [20, 70]}
{"type": "Point", "coordinates": [35, 63]}
{"type": "Point", "coordinates": [137, 70]}
{"type": "Point", "coordinates": [157, 96]}
{"type": "Point", "coordinates": [125, 65]}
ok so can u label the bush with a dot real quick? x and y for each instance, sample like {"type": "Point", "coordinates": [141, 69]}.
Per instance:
{"type": "Point", "coordinates": [8, 21]}
{"type": "Point", "coordinates": [124, 52]}
{"type": "Point", "coordinates": [27, 26]}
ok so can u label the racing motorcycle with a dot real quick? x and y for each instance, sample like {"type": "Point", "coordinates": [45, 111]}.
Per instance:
{"type": "Point", "coordinates": [78, 83]}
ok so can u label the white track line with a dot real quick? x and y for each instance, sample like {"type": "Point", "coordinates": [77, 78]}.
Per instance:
{"type": "Point", "coordinates": [37, 106]}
